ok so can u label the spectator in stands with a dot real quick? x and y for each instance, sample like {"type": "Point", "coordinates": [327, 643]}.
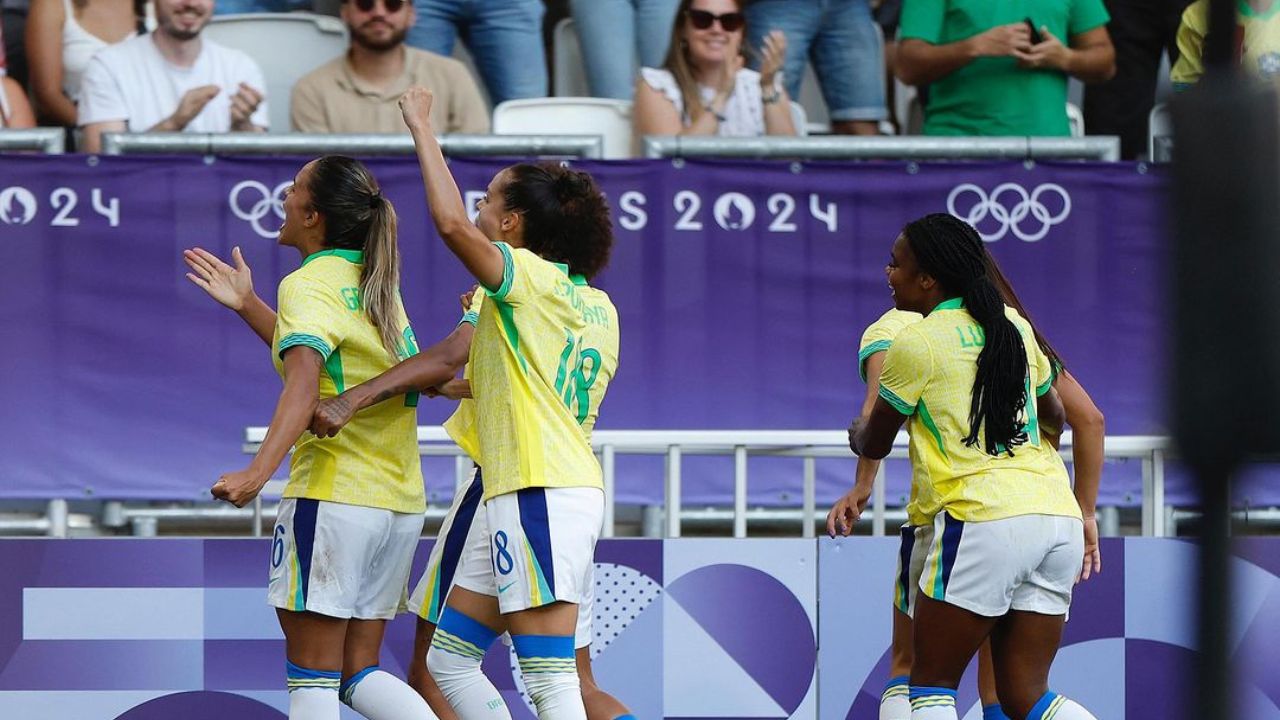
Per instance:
{"type": "Point", "coordinates": [886, 14]}
{"type": "Point", "coordinates": [359, 91]}
{"type": "Point", "coordinates": [1142, 32]}
{"type": "Point", "coordinates": [620, 36]}
{"type": "Point", "coordinates": [987, 74]}
{"type": "Point", "coordinates": [172, 80]}
{"type": "Point", "coordinates": [62, 35]}
{"type": "Point", "coordinates": [1256, 48]}
{"type": "Point", "coordinates": [703, 88]}
{"type": "Point", "coordinates": [15, 111]}
{"type": "Point", "coordinates": [840, 38]}
{"type": "Point", "coordinates": [504, 37]}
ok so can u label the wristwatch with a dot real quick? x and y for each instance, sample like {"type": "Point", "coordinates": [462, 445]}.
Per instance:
{"type": "Point", "coordinates": [772, 97]}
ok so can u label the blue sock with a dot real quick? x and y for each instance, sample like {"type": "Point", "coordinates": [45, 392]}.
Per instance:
{"type": "Point", "coordinates": [932, 701]}
{"type": "Point", "coordinates": [994, 712]}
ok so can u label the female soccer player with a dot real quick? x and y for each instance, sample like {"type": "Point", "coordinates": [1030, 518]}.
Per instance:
{"type": "Point", "coordinates": [1007, 537]}
{"type": "Point", "coordinates": [352, 510]}
{"type": "Point", "coordinates": [540, 232]}
{"type": "Point", "coordinates": [1085, 420]}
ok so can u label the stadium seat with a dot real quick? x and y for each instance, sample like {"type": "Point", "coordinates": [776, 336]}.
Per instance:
{"type": "Point", "coordinates": [1160, 124]}
{"type": "Point", "coordinates": [285, 45]}
{"type": "Point", "coordinates": [569, 116]}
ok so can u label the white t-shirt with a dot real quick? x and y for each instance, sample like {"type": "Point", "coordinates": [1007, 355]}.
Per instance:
{"type": "Point", "coordinates": [131, 81]}
{"type": "Point", "coordinates": [743, 112]}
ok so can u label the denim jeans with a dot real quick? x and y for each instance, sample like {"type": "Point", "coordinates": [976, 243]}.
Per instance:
{"type": "Point", "coordinates": [840, 38]}
{"type": "Point", "coordinates": [604, 27]}
{"type": "Point", "coordinates": [504, 37]}
{"type": "Point", "coordinates": [235, 7]}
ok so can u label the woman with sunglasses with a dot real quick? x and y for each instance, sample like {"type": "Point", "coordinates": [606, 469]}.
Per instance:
{"type": "Point", "coordinates": [703, 88]}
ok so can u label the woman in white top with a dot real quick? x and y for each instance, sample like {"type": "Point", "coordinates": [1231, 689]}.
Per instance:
{"type": "Point", "coordinates": [703, 88]}
{"type": "Point", "coordinates": [15, 111]}
{"type": "Point", "coordinates": [62, 35]}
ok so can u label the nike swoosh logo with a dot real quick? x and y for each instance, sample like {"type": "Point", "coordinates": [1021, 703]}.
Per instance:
{"type": "Point", "coordinates": [503, 588]}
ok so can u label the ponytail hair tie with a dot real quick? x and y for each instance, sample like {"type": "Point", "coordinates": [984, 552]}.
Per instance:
{"type": "Point", "coordinates": [375, 199]}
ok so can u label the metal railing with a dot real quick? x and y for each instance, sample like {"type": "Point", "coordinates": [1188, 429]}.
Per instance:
{"type": "Point", "coordinates": [808, 446]}
{"type": "Point", "coordinates": [840, 147]}
{"type": "Point", "coordinates": [50, 141]}
{"type": "Point", "coordinates": [579, 146]}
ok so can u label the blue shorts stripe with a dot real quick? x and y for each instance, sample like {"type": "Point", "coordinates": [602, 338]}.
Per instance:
{"type": "Point", "coordinates": [304, 538]}
{"type": "Point", "coordinates": [465, 628]}
{"type": "Point", "coordinates": [543, 646]}
{"type": "Point", "coordinates": [456, 541]}
{"type": "Point", "coordinates": [908, 533]}
{"type": "Point", "coordinates": [537, 530]}
{"type": "Point", "coordinates": [952, 530]}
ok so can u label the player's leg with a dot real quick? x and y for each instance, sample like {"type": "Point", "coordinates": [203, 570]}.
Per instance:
{"type": "Point", "coordinates": [468, 626]}
{"type": "Point", "coordinates": [312, 617]}
{"type": "Point", "coordinates": [895, 701]}
{"type": "Point", "coordinates": [381, 574]}
{"type": "Point", "coordinates": [544, 558]}
{"type": "Point", "coordinates": [458, 532]}
{"type": "Point", "coordinates": [599, 704]}
{"type": "Point", "coordinates": [946, 637]}
{"type": "Point", "coordinates": [991, 709]}
{"type": "Point", "coordinates": [1026, 640]}
{"type": "Point", "coordinates": [366, 687]}
{"type": "Point", "coordinates": [313, 652]}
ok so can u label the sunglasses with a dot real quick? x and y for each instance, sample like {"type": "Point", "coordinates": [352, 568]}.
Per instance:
{"type": "Point", "coordinates": [392, 6]}
{"type": "Point", "coordinates": [730, 22]}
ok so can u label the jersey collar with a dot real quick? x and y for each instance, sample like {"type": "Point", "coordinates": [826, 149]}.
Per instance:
{"type": "Point", "coordinates": [351, 256]}
{"type": "Point", "coordinates": [575, 279]}
{"type": "Point", "coordinates": [952, 304]}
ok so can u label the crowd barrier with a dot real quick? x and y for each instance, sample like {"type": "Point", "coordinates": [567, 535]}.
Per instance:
{"type": "Point", "coordinates": [682, 628]}
{"type": "Point", "coordinates": [579, 146]}
{"type": "Point", "coordinates": [839, 147]}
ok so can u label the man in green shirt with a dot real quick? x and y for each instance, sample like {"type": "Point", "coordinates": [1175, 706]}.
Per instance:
{"type": "Point", "coordinates": [986, 72]}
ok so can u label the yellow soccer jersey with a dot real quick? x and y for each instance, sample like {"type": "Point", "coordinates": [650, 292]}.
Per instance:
{"type": "Point", "coordinates": [544, 351]}
{"type": "Point", "coordinates": [928, 375]}
{"type": "Point", "coordinates": [1257, 42]}
{"type": "Point", "coordinates": [879, 335]}
{"type": "Point", "coordinates": [374, 461]}
{"type": "Point", "coordinates": [461, 425]}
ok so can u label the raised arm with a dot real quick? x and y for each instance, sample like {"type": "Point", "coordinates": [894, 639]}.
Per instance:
{"type": "Point", "coordinates": [480, 256]}
{"type": "Point", "coordinates": [233, 287]}
{"type": "Point", "coordinates": [292, 415]}
{"type": "Point", "coordinates": [434, 366]}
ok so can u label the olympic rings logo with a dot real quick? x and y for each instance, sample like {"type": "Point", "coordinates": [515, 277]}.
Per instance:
{"type": "Point", "coordinates": [1029, 219]}
{"type": "Point", "coordinates": [267, 202]}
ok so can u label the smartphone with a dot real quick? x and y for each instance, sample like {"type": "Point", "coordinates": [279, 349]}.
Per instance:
{"type": "Point", "coordinates": [1036, 38]}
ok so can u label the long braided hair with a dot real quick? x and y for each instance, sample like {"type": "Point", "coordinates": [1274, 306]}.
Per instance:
{"type": "Point", "coordinates": [951, 251]}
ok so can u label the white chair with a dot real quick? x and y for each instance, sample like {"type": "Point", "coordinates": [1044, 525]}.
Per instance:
{"type": "Point", "coordinates": [285, 45]}
{"type": "Point", "coordinates": [1075, 119]}
{"type": "Point", "coordinates": [1160, 125]}
{"type": "Point", "coordinates": [610, 119]}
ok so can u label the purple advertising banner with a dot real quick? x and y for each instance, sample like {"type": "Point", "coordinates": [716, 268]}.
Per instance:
{"type": "Point", "coordinates": [742, 287]}
{"type": "Point", "coordinates": [130, 629]}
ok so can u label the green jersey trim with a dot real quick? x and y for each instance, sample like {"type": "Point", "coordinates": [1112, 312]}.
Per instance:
{"type": "Point", "coordinates": [311, 341]}
{"type": "Point", "coordinates": [351, 256]}
{"type": "Point", "coordinates": [952, 304]}
{"type": "Point", "coordinates": [334, 367]}
{"type": "Point", "coordinates": [868, 351]}
{"type": "Point", "coordinates": [927, 419]}
{"type": "Point", "coordinates": [1248, 11]}
{"type": "Point", "coordinates": [508, 272]}
{"type": "Point", "coordinates": [898, 403]}
{"type": "Point", "coordinates": [507, 314]}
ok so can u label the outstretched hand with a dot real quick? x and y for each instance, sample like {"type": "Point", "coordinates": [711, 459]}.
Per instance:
{"type": "Point", "coordinates": [231, 286]}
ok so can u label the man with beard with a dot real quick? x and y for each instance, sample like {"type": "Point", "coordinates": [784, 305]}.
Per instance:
{"type": "Point", "coordinates": [359, 91]}
{"type": "Point", "coordinates": [171, 80]}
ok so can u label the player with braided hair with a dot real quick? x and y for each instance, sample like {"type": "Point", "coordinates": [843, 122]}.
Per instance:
{"type": "Point", "coordinates": [1007, 537]}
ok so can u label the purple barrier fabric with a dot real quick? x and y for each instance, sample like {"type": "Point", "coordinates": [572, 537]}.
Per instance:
{"type": "Point", "coordinates": [743, 288]}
